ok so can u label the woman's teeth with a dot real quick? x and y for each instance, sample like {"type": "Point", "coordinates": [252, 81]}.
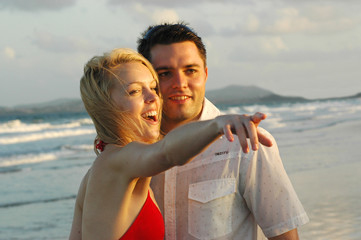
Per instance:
{"type": "Point", "coordinates": [150, 115]}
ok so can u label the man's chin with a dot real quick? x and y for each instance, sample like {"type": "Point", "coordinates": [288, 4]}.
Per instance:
{"type": "Point", "coordinates": [179, 112]}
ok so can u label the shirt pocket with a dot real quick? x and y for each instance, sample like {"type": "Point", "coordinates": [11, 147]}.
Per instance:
{"type": "Point", "coordinates": [210, 208]}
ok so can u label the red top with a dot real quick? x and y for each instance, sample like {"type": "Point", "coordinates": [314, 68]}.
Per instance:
{"type": "Point", "coordinates": [149, 223]}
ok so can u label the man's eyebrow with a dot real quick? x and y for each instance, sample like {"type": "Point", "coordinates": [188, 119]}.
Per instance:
{"type": "Point", "coordinates": [162, 68]}
{"type": "Point", "coordinates": [192, 65]}
{"type": "Point", "coordinates": [186, 66]}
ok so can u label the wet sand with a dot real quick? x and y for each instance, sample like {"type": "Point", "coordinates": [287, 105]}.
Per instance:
{"type": "Point", "coordinates": [330, 185]}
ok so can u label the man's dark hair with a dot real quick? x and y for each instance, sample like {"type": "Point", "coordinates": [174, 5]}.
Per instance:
{"type": "Point", "coordinates": [168, 33]}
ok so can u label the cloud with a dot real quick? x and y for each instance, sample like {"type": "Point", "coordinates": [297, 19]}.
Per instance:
{"type": "Point", "coordinates": [159, 15]}
{"type": "Point", "coordinates": [9, 52]}
{"type": "Point", "coordinates": [183, 3]}
{"type": "Point", "coordinates": [322, 12]}
{"type": "Point", "coordinates": [273, 45]}
{"type": "Point", "coordinates": [252, 24]}
{"type": "Point", "coordinates": [286, 18]}
{"type": "Point", "coordinates": [315, 19]}
{"type": "Point", "coordinates": [165, 15]}
{"type": "Point", "coordinates": [55, 43]}
{"type": "Point", "coordinates": [36, 5]}
{"type": "Point", "coordinates": [203, 28]}
{"type": "Point", "coordinates": [291, 22]}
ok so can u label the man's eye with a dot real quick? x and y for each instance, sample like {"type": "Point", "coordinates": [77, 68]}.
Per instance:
{"type": "Point", "coordinates": [163, 74]}
{"type": "Point", "coordinates": [191, 71]}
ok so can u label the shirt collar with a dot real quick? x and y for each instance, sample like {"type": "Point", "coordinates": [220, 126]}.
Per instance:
{"type": "Point", "coordinates": [209, 110]}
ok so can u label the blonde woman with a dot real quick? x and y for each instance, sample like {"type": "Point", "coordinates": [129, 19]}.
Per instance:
{"type": "Point", "coordinates": [120, 93]}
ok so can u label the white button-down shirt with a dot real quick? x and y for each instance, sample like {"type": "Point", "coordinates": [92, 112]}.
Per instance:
{"type": "Point", "coordinates": [226, 194]}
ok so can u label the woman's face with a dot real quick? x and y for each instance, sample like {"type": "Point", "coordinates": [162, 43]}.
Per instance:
{"type": "Point", "coordinates": [139, 98]}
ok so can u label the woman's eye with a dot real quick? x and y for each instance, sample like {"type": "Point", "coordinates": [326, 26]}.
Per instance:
{"type": "Point", "coordinates": [132, 92]}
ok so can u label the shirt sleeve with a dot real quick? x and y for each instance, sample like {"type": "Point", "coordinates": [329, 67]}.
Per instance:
{"type": "Point", "coordinates": [269, 193]}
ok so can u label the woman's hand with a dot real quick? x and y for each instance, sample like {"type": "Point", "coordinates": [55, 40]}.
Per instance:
{"type": "Point", "coordinates": [244, 126]}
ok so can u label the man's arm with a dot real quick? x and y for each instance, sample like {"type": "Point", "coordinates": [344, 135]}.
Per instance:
{"type": "Point", "coordinates": [290, 235]}
{"type": "Point", "coordinates": [272, 200]}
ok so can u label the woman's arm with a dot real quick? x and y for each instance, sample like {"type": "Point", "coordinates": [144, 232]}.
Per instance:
{"type": "Point", "coordinates": [180, 145]}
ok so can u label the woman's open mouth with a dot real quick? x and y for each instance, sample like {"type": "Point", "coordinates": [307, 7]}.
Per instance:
{"type": "Point", "coordinates": [151, 116]}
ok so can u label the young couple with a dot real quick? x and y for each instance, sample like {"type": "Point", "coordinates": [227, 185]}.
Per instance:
{"type": "Point", "coordinates": [225, 191]}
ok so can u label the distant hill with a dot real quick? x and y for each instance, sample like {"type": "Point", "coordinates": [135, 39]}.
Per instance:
{"type": "Point", "coordinates": [56, 106]}
{"type": "Point", "coordinates": [358, 95]}
{"type": "Point", "coordinates": [236, 95]}
{"type": "Point", "coordinates": [228, 96]}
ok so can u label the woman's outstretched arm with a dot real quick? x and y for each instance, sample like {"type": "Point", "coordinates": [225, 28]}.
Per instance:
{"type": "Point", "coordinates": [183, 143]}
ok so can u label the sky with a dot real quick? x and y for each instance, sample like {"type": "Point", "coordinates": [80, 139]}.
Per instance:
{"type": "Point", "coordinates": [308, 48]}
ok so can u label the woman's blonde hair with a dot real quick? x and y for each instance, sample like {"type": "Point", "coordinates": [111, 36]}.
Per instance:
{"type": "Point", "coordinates": [112, 124]}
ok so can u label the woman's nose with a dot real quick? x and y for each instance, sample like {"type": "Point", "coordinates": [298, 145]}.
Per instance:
{"type": "Point", "coordinates": [151, 96]}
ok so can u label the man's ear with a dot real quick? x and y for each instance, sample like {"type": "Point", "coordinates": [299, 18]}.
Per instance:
{"type": "Point", "coordinates": [206, 71]}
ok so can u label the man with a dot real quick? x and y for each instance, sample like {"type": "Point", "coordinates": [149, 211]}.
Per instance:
{"type": "Point", "coordinates": [223, 193]}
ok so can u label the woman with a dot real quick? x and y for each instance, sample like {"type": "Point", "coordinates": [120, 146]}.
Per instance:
{"type": "Point", "coordinates": [120, 93]}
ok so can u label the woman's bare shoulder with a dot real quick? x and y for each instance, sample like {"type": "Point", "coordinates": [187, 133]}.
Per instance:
{"type": "Point", "coordinates": [82, 189]}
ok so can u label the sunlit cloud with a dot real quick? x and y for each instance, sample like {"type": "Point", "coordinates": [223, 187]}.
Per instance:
{"type": "Point", "coordinates": [159, 15]}
{"type": "Point", "coordinates": [316, 20]}
{"type": "Point", "coordinates": [167, 3]}
{"type": "Point", "coordinates": [290, 21]}
{"type": "Point", "coordinates": [165, 15]}
{"type": "Point", "coordinates": [273, 45]}
{"type": "Point", "coordinates": [9, 52]}
{"type": "Point", "coordinates": [252, 23]}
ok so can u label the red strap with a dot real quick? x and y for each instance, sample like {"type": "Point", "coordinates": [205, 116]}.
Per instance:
{"type": "Point", "coordinates": [101, 145]}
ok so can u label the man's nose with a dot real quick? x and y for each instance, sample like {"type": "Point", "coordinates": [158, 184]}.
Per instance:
{"type": "Point", "coordinates": [179, 80]}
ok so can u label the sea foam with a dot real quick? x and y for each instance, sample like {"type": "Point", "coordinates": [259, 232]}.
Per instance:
{"type": "Point", "coordinates": [26, 159]}
{"type": "Point", "coordinates": [44, 135]}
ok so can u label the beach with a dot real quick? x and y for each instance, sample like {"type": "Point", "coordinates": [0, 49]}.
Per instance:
{"type": "Point", "coordinates": [330, 193]}
{"type": "Point", "coordinates": [44, 158]}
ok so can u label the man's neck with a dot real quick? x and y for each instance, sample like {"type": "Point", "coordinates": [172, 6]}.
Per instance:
{"type": "Point", "coordinates": [169, 125]}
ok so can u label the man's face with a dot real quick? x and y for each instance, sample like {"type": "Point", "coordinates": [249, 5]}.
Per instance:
{"type": "Point", "coordinates": [182, 78]}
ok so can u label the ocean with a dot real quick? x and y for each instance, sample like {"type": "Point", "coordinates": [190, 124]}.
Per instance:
{"type": "Point", "coordinates": [44, 157]}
